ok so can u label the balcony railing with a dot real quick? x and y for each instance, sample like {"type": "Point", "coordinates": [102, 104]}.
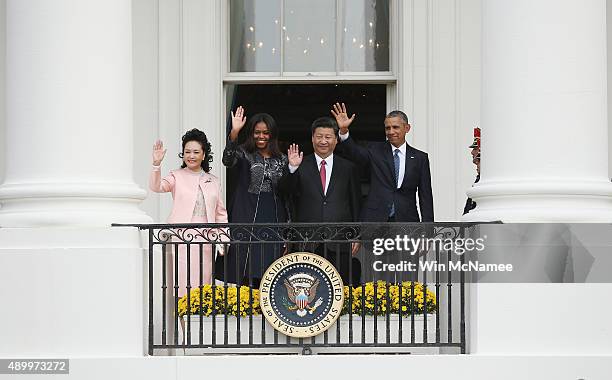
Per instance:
{"type": "Point", "coordinates": [395, 300]}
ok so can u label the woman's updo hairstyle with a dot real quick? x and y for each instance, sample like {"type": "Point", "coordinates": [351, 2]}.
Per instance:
{"type": "Point", "coordinates": [200, 137]}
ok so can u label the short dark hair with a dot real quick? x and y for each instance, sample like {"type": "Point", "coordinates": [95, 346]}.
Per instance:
{"type": "Point", "coordinates": [399, 114]}
{"type": "Point", "coordinates": [200, 137]}
{"type": "Point", "coordinates": [249, 144]}
{"type": "Point", "coordinates": [324, 122]}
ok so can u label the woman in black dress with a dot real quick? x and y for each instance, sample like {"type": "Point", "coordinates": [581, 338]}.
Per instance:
{"type": "Point", "coordinates": [258, 199]}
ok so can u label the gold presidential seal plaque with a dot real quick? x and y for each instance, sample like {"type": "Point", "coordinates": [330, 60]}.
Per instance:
{"type": "Point", "coordinates": [301, 294]}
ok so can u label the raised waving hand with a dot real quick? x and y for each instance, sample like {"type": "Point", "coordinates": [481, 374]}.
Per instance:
{"type": "Point", "coordinates": [238, 122]}
{"type": "Point", "coordinates": [294, 155]}
{"type": "Point", "coordinates": [158, 152]}
{"type": "Point", "coordinates": [339, 112]}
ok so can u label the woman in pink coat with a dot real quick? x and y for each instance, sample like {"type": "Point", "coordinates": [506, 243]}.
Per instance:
{"type": "Point", "coordinates": [197, 198]}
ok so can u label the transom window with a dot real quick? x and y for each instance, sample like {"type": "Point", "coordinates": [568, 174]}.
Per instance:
{"type": "Point", "coordinates": [313, 37]}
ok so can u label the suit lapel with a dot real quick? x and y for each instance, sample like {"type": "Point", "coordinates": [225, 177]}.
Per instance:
{"type": "Point", "coordinates": [334, 175]}
{"type": "Point", "coordinates": [409, 167]}
{"type": "Point", "coordinates": [388, 158]}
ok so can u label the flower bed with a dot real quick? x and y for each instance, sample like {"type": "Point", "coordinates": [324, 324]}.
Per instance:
{"type": "Point", "coordinates": [422, 299]}
{"type": "Point", "coordinates": [205, 298]}
{"type": "Point", "coordinates": [415, 300]}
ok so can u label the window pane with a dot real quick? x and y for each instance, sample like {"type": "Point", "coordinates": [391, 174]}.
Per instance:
{"type": "Point", "coordinates": [309, 35]}
{"type": "Point", "coordinates": [255, 35]}
{"type": "Point", "coordinates": [365, 35]}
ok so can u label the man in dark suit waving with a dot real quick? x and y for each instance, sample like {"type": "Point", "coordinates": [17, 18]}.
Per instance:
{"type": "Point", "coordinates": [325, 188]}
{"type": "Point", "coordinates": [397, 171]}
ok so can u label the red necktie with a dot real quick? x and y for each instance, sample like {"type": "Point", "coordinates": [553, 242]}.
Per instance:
{"type": "Point", "coordinates": [323, 174]}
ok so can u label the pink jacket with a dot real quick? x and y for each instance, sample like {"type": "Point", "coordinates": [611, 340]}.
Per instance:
{"type": "Point", "coordinates": [183, 183]}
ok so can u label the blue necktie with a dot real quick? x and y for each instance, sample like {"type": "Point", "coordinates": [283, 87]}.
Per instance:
{"type": "Point", "coordinates": [396, 164]}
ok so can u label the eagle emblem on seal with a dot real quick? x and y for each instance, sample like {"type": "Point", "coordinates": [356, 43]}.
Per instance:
{"type": "Point", "coordinates": [302, 290]}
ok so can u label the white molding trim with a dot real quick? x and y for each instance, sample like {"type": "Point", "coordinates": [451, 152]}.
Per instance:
{"type": "Point", "coordinates": [309, 80]}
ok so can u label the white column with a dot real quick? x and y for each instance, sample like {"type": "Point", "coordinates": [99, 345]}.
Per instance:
{"type": "Point", "coordinates": [69, 148]}
{"type": "Point", "coordinates": [76, 284]}
{"type": "Point", "coordinates": [544, 159]}
{"type": "Point", "coordinates": [544, 112]}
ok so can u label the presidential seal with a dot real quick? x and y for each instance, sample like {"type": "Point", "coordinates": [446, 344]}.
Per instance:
{"type": "Point", "coordinates": [301, 294]}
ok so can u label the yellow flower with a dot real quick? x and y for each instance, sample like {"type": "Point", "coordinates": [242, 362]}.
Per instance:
{"type": "Point", "coordinates": [236, 299]}
{"type": "Point", "coordinates": [387, 297]}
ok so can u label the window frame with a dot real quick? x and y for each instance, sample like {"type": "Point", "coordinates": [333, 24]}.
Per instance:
{"type": "Point", "coordinates": [389, 77]}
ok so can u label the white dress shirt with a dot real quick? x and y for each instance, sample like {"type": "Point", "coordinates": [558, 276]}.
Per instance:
{"type": "Point", "coordinates": [329, 163]}
{"type": "Point", "coordinates": [402, 162]}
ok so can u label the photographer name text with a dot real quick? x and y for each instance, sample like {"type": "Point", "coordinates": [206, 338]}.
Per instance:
{"type": "Point", "coordinates": [419, 246]}
{"type": "Point", "coordinates": [427, 266]}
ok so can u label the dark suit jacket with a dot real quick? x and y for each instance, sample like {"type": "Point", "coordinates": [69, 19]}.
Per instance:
{"type": "Point", "coordinates": [340, 204]}
{"type": "Point", "coordinates": [378, 157]}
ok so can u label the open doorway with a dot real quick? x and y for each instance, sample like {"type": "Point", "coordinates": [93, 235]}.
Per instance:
{"type": "Point", "coordinates": [296, 106]}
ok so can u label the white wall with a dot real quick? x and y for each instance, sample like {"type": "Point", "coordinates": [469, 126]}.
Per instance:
{"type": "Point", "coordinates": [177, 85]}
{"type": "Point", "coordinates": [2, 87]}
{"type": "Point", "coordinates": [439, 87]}
{"type": "Point", "coordinates": [609, 30]}
{"type": "Point", "coordinates": [146, 94]}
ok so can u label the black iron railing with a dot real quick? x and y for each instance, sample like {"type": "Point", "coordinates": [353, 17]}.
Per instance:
{"type": "Point", "coordinates": [396, 300]}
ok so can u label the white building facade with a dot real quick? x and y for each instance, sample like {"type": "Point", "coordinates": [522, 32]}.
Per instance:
{"type": "Point", "coordinates": [87, 87]}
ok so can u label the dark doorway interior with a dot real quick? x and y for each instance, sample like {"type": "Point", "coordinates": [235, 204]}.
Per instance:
{"type": "Point", "coordinates": [296, 106]}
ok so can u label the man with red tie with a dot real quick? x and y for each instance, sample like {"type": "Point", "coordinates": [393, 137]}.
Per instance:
{"type": "Point", "coordinates": [325, 188]}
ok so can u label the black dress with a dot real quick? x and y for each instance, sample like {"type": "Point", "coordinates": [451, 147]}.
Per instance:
{"type": "Point", "coordinates": [257, 199]}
